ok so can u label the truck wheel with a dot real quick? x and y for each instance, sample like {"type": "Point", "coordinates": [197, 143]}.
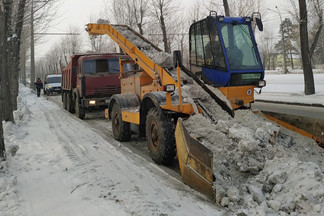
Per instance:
{"type": "Point", "coordinates": [79, 111]}
{"type": "Point", "coordinates": [121, 129]}
{"type": "Point", "coordinates": [64, 101]}
{"type": "Point", "coordinates": [69, 103]}
{"type": "Point", "coordinates": [160, 137]}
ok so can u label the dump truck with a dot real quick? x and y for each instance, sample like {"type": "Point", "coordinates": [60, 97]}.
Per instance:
{"type": "Point", "coordinates": [151, 96]}
{"type": "Point", "coordinates": [88, 82]}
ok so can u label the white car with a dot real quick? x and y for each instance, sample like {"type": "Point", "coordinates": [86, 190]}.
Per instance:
{"type": "Point", "coordinates": [52, 84]}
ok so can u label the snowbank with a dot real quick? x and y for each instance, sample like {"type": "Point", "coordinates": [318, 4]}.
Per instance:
{"type": "Point", "coordinates": [260, 168]}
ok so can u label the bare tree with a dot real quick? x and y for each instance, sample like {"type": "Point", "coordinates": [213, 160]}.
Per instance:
{"type": "Point", "coordinates": [162, 10]}
{"type": "Point", "coordinates": [237, 8]}
{"type": "Point", "coordinates": [226, 8]}
{"type": "Point", "coordinates": [318, 9]}
{"type": "Point", "coordinates": [11, 14]}
{"type": "Point", "coordinates": [315, 20]}
{"type": "Point", "coordinates": [306, 58]}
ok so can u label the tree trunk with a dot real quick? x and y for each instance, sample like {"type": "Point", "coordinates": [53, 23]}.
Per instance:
{"type": "Point", "coordinates": [164, 33]}
{"type": "Point", "coordinates": [15, 53]}
{"type": "Point", "coordinates": [5, 81]}
{"type": "Point", "coordinates": [2, 36]}
{"type": "Point", "coordinates": [226, 8]}
{"type": "Point", "coordinates": [306, 58]}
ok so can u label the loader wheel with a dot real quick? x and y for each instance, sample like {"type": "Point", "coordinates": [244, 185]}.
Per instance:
{"type": "Point", "coordinates": [79, 111]}
{"type": "Point", "coordinates": [121, 129]}
{"type": "Point", "coordinates": [64, 100]}
{"type": "Point", "coordinates": [160, 137]}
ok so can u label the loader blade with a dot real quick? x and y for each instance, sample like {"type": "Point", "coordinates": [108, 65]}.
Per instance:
{"type": "Point", "coordinates": [195, 161]}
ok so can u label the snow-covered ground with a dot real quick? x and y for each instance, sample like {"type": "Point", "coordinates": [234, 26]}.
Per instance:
{"type": "Point", "coordinates": [58, 165]}
{"type": "Point", "coordinates": [290, 88]}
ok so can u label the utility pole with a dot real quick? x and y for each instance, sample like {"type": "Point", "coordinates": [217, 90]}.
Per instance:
{"type": "Point", "coordinates": [32, 48]}
{"type": "Point", "coordinates": [283, 43]}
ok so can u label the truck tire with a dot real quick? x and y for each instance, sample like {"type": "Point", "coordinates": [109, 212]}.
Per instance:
{"type": "Point", "coordinates": [121, 129]}
{"type": "Point", "coordinates": [79, 111]}
{"type": "Point", "coordinates": [69, 103]}
{"type": "Point", "coordinates": [160, 137]}
{"type": "Point", "coordinates": [64, 101]}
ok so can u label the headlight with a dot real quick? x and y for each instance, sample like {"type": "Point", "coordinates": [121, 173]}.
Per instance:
{"type": "Point", "coordinates": [221, 18]}
{"type": "Point", "coordinates": [169, 88]}
{"type": "Point", "coordinates": [262, 83]}
{"type": "Point", "coordinates": [92, 102]}
{"type": "Point", "coordinates": [247, 19]}
{"type": "Point", "coordinates": [49, 86]}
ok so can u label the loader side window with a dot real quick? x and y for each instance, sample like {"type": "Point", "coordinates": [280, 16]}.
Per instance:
{"type": "Point", "coordinates": [199, 45]}
{"type": "Point", "coordinates": [205, 46]}
{"type": "Point", "coordinates": [193, 56]}
{"type": "Point", "coordinates": [213, 53]}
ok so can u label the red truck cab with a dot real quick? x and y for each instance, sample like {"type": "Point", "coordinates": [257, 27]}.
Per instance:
{"type": "Point", "coordinates": [89, 81]}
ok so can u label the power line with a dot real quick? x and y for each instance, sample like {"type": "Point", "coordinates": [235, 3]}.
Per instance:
{"type": "Point", "coordinates": [53, 33]}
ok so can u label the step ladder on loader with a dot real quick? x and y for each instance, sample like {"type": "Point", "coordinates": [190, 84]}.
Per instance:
{"type": "Point", "coordinates": [151, 99]}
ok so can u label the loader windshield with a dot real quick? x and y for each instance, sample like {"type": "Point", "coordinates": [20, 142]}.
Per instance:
{"type": "Point", "coordinates": [240, 47]}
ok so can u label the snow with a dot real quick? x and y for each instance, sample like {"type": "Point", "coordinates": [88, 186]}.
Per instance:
{"type": "Point", "coordinates": [290, 88]}
{"type": "Point", "coordinates": [261, 168]}
{"type": "Point", "coordinates": [59, 165]}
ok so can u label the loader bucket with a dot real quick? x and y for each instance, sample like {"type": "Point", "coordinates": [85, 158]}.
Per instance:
{"type": "Point", "coordinates": [195, 161]}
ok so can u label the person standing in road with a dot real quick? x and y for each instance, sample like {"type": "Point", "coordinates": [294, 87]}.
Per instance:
{"type": "Point", "coordinates": [39, 86]}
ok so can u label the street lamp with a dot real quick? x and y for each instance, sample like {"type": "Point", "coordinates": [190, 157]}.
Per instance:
{"type": "Point", "coordinates": [283, 41]}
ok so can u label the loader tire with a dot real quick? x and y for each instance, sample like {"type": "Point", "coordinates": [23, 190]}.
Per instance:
{"type": "Point", "coordinates": [160, 137]}
{"type": "Point", "coordinates": [79, 111]}
{"type": "Point", "coordinates": [121, 129]}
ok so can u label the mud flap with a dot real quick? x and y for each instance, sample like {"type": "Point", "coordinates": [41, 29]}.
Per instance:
{"type": "Point", "coordinates": [195, 161]}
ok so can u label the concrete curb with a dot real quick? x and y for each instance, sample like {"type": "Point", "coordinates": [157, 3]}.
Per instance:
{"type": "Point", "coordinates": [291, 103]}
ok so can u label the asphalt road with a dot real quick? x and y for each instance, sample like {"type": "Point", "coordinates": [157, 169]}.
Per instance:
{"type": "Point", "coordinates": [290, 109]}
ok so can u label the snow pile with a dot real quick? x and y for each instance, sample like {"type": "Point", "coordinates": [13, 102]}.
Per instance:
{"type": "Point", "coordinates": [262, 169]}
{"type": "Point", "coordinates": [163, 59]}
{"type": "Point", "coordinates": [13, 133]}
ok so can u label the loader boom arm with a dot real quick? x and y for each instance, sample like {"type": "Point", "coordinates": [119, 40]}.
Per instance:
{"type": "Point", "coordinates": [155, 71]}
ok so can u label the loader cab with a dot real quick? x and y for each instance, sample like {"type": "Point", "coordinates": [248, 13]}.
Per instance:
{"type": "Point", "coordinates": [223, 51]}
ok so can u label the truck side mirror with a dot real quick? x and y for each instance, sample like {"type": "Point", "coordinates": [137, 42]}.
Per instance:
{"type": "Point", "coordinates": [257, 17]}
{"type": "Point", "coordinates": [45, 82]}
{"type": "Point", "coordinates": [259, 23]}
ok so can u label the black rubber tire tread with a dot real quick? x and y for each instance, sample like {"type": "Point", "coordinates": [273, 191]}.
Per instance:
{"type": "Point", "coordinates": [166, 153]}
{"type": "Point", "coordinates": [64, 101]}
{"type": "Point", "coordinates": [79, 112]}
{"type": "Point", "coordinates": [69, 104]}
{"type": "Point", "coordinates": [123, 133]}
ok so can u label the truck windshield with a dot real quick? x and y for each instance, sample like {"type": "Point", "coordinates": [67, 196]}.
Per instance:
{"type": "Point", "coordinates": [110, 65]}
{"type": "Point", "coordinates": [240, 48]}
{"type": "Point", "coordinates": [53, 79]}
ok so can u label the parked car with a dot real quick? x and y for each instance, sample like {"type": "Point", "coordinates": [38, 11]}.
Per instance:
{"type": "Point", "coordinates": [52, 84]}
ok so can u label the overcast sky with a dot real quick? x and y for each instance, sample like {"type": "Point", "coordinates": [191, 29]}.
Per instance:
{"type": "Point", "coordinates": [78, 13]}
